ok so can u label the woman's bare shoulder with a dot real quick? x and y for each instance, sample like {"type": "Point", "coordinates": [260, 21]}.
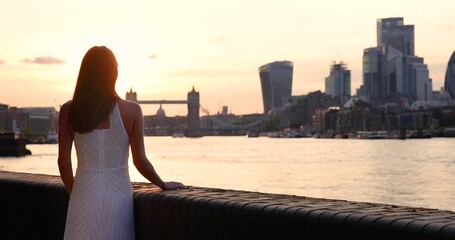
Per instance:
{"type": "Point", "coordinates": [130, 112]}
{"type": "Point", "coordinates": [129, 108]}
{"type": "Point", "coordinates": [63, 121]}
{"type": "Point", "coordinates": [65, 107]}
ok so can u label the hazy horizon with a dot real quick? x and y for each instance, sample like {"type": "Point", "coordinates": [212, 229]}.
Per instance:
{"type": "Point", "coordinates": [166, 48]}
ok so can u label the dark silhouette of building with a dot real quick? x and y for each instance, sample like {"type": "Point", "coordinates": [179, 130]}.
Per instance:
{"type": "Point", "coordinates": [193, 114]}
{"type": "Point", "coordinates": [324, 121]}
{"type": "Point", "coordinates": [373, 64]}
{"type": "Point", "coordinates": [276, 84]}
{"type": "Point", "coordinates": [159, 124]}
{"type": "Point", "coordinates": [449, 83]}
{"type": "Point", "coordinates": [391, 71]}
{"type": "Point", "coordinates": [132, 96]}
{"type": "Point", "coordinates": [6, 120]}
{"type": "Point", "coordinates": [40, 120]}
{"type": "Point", "coordinates": [393, 32]}
{"type": "Point", "coordinates": [299, 110]}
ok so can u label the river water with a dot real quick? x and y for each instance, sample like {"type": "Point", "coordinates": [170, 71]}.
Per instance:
{"type": "Point", "coordinates": [413, 172]}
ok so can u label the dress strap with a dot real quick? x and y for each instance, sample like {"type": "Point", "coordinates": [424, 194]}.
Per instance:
{"type": "Point", "coordinates": [116, 119]}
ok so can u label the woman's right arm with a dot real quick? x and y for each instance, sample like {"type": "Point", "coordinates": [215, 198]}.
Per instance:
{"type": "Point", "coordinates": [140, 160]}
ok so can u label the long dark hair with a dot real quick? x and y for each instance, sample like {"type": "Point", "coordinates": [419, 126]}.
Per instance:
{"type": "Point", "coordinates": [94, 95]}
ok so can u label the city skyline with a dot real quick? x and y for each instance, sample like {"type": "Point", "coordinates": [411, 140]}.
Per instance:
{"type": "Point", "coordinates": [164, 50]}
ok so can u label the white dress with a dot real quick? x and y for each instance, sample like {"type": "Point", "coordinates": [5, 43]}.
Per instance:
{"type": "Point", "coordinates": [101, 202]}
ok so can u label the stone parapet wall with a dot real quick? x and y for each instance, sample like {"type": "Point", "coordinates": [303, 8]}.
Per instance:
{"type": "Point", "coordinates": [34, 207]}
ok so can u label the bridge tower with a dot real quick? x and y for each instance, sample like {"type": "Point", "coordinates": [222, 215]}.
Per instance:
{"type": "Point", "coordinates": [193, 114]}
{"type": "Point", "coordinates": [132, 96]}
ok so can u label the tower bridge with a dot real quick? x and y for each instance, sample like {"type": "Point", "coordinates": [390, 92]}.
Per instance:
{"type": "Point", "coordinates": [210, 123]}
{"type": "Point", "coordinates": [163, 102]}
{"type": "Point", "coordinates": [192, 102]}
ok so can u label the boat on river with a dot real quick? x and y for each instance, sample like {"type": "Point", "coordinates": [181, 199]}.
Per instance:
{"type": "Point", "coordinates": [372, 135]}
{"type": "Point", "coordinates": [12, 145]}
{"type": "Point", "coordinates": [178, 135]}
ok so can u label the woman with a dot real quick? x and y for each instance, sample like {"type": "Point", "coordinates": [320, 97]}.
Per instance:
{"type": "Point", "coordinates": [102, 126]}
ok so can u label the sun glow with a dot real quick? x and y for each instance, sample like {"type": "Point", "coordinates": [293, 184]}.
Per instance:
{"type": "Point", "coordinates": [163, 50]}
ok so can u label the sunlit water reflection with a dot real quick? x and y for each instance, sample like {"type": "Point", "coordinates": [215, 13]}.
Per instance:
{"type": "Point", "coordinates": [417, 173]}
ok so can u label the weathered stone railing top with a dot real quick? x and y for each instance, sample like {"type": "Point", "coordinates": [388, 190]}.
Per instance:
{"type": "Point", "coordinates": [206, 213]}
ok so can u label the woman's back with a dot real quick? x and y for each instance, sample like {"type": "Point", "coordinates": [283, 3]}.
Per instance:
{"type": "Point", "coordinates": [102, 188]}
{"type": "Point", "coordinates": [103, 149]}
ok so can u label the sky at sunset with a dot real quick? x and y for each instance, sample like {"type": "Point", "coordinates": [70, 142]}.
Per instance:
{"type": "Point", "coordinates": [165, 47]}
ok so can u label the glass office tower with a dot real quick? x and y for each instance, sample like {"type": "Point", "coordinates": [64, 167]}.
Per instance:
{"type": "Point", "coordinates": [338, 83]}
{"type": "Point", "coordinates": [392, 31]}
{"type": "Point", "coordinates": [449, 83]}
{"type": "Point", "coordinates": [276, 84]}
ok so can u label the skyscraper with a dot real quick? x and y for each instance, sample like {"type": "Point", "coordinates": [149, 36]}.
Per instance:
{"type": "Point", "coordinates": [419, 83]}
{"type": "Point", "coordinates": [392, 31]}
{"type": "Point", "coordinates": [449, 83]}
{"type": "Point", "coordinates": [276, 84]}
{"type": "Point", "coordinates": [338, 83]}
{"type": "Point", "coordinates": [391, 70]}
{"type": "Point", "coordinates": [372, 73]}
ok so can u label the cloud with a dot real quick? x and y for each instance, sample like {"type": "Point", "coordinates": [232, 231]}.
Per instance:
{"type": "Point", "coordinates": [44, 60]}
{"type": "Point", "coordinates": [2, 61]}
{"type": "Point", "coordinates": [153, 56]}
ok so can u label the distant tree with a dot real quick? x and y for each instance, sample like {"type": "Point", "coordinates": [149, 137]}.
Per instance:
{"type": "Point", "coordinates": [28, 133]}
{"type": "Point", "coordinates": [446, 117]}
{"type": "Point", "coordinates": [273, 123]}
{"type": "Point", "coordinates": [437, 113]}
{"type": "Point", "coordinates": [243, 121]}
